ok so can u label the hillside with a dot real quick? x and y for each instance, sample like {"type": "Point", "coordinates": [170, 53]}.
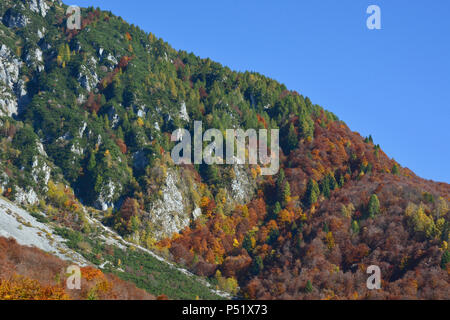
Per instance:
{"type": "Point", "coordinates": [40, 276]}
{"type": "Point", "coordinates": [86, 118]}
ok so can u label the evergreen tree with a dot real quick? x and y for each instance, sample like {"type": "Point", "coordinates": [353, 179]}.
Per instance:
{"type": "Point", "coordinates": [276, 210]}
{"type": "Point", "coordinates": [325, 186]}
{"type": "Point", "coordinates": [292, 138]}
{"type": "Point", "coordinates": [445, 259]}
{"type": "Point", "coordinates": [309, 287]}
{"type": "Point", "coordinates": [312, 193]}
{"type": "Point", "coordinates": [286, 192]}
{"type": "Point", "coordinates": [395, 170]}
{"type": "Point", "coordinates": [355, 227]}
{"type": "Point", "coordinates": [374, 206]}
{"type": "Point", "coordinates": [341, 180]}
{"type": "Point", "coordinates": [332, 181]}
{"type": "Point", "coordinates": [257, 265]}
{"type": "Point", "coordinates": [91, 163]}
{"type": "Point", "coordinates": [280, 178]}
{"type": "Point", "coordinates": [247, 243]}
{"type": "Point", "coordinates": [280, 186]}
{"type": "Point", "coordinates": [212, 174]}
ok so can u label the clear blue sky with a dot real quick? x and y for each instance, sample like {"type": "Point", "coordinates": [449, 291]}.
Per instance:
{"type": "Point", "coordinates": [392, 83]}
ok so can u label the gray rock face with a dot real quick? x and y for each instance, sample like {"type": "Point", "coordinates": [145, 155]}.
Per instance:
{"type": "Point", "coordinates": [106, 196]}
{"type": "Point", "coordinates": [34, 59]}
{"type": "Point", "coordinates": [112, 59]}
{"type": "Point", "coordinates": [113, 117]}
{"type": "Point", "coordinates": [8, 103]}
{"type": "Point", "coordinates": [41, 171]}
{"type": "Point", "coordinates": [4, 180]}
{"type": "Point", "coordinates": [26, 197]}
{"type": "Point", "coordinates": [88, 78]}
{"type": "Point", "coordinates": [22, 96]}
{"type": "Point", "coordinates": [41, 32]}
{"type": "Point", "coordinates": [183, 112]}
{"type": "Point", "coordinates": [141, 111]}
{"type": "Point", "coordinates": [242, 187]}
{"type": "Point", "coordinates": [77, 149]}
{"type": "Point", "coordinates": [9, 82]}
{"type": "Point", "coordinates": [9, 67]}
{"type": "Point", "coordinates": [15, 19]}
{"type": "Point", "coordinates": [39, 6]}
{"type": "Point", "coordinates": [170, 214]}
{"type": "Point", "coordinates": [82, 129]}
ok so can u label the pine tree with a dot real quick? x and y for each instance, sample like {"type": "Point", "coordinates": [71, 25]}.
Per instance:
{"type": "Point", "coordinates": [355, 227]}
{"type": "Point", "coordinates": [309, 287]}
{"type": "Point", "coordinates": [312, 193]}
{"type": "Point", "coordinates": [445, 259]}
{"type": "Point", "coordinates": [374, 206]}
{"type": "Point", "coordinates": [280, 186]}
{"type": "Point", "coordinates": [292, 138]}
{"type": "Point", "coordinates": [257, 265]}
{"type": "Point", "coordinates": [173, 88]}
{"type": "Point", "coordinates": [91, 163]}
{"type": "Point", "coordinates": [341, 180]}
{"type": "Point", "coordinates": [120, 134]}
{"type": "Point", "coordinates": [212, 174]}
{"type": "Point", "coordinates": [247, 243]}
{"type": "Point", "coordinates": [395, 170]}
{"type": "Point", "coordinates": [332, 181]}
{"type": "Point", "coordinates": [276, 210]}
{"type": "Point", "coordinates": [286, 192]}
{"type": "Point", "coordinates": [325, 186]}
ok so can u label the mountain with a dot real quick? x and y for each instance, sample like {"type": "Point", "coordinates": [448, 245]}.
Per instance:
{"type": "Point", "coordinates": [86, 117]}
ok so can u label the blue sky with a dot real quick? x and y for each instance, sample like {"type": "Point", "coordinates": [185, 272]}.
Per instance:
{"type": "Point", "coordinates": [393, 83]}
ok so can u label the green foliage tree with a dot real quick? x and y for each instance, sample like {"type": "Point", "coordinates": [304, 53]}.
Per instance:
{"type": "Point", "coordinates": [280, 184]}
{"type": "Point", "coordinates": [309, 287]}
{"type": "Point", "coordinates": [257, 265]}
{"type": "Point", "coordinates": [286, 192]}
{"type": "Point", "coordinates": [395, 170]}
{"type": "Point", "coordinates": [445, 259]}
{"type": "Point", "coordinates": [292, 139]}
{"type": "Point", "coordinates": [312, 193]}
{"type": "Point", "coordinates": [276, 210]}
{"type": "Point", "coordinates": [92, 163]}
{"type": "Point", "coordinates": [373, 207]}
{"type": "Point", "coordinates": [355, 227]}
{"type": "Point", "coordinates": [325, 187]}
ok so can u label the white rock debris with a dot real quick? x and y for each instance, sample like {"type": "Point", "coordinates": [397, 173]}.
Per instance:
{"type": "Point", "coordinates": [41, 32]}
{"type": "Point", "coordinates": [26, 197]}
{"type": "Point", "coordinates": [18, 224]}
{"type": "Point", "coordinates": [77, 149]}
{"type": "Point", "coordinates": [39, 6]}
{"type": "Point", "coordinates": [183, 112]}
{"type": "Point", "coordinates": [82, 129]}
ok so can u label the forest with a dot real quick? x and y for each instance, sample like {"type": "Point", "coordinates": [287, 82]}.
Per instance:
{"type": "Point", "coordinates": [95, 132]}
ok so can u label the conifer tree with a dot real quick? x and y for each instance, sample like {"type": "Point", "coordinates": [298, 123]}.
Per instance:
{"type": "Point", "coordinates": [292, 138]}
{"type": "Point", "coordinates": [312, 193]}
{"type": "Point", "coordinates": [374, 206]}
{"type": "Point", "coordinates": [309, 287]}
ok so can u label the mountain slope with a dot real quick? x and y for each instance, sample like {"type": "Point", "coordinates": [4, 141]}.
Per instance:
{"type": "Point", "coordinates": [85, 123]}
